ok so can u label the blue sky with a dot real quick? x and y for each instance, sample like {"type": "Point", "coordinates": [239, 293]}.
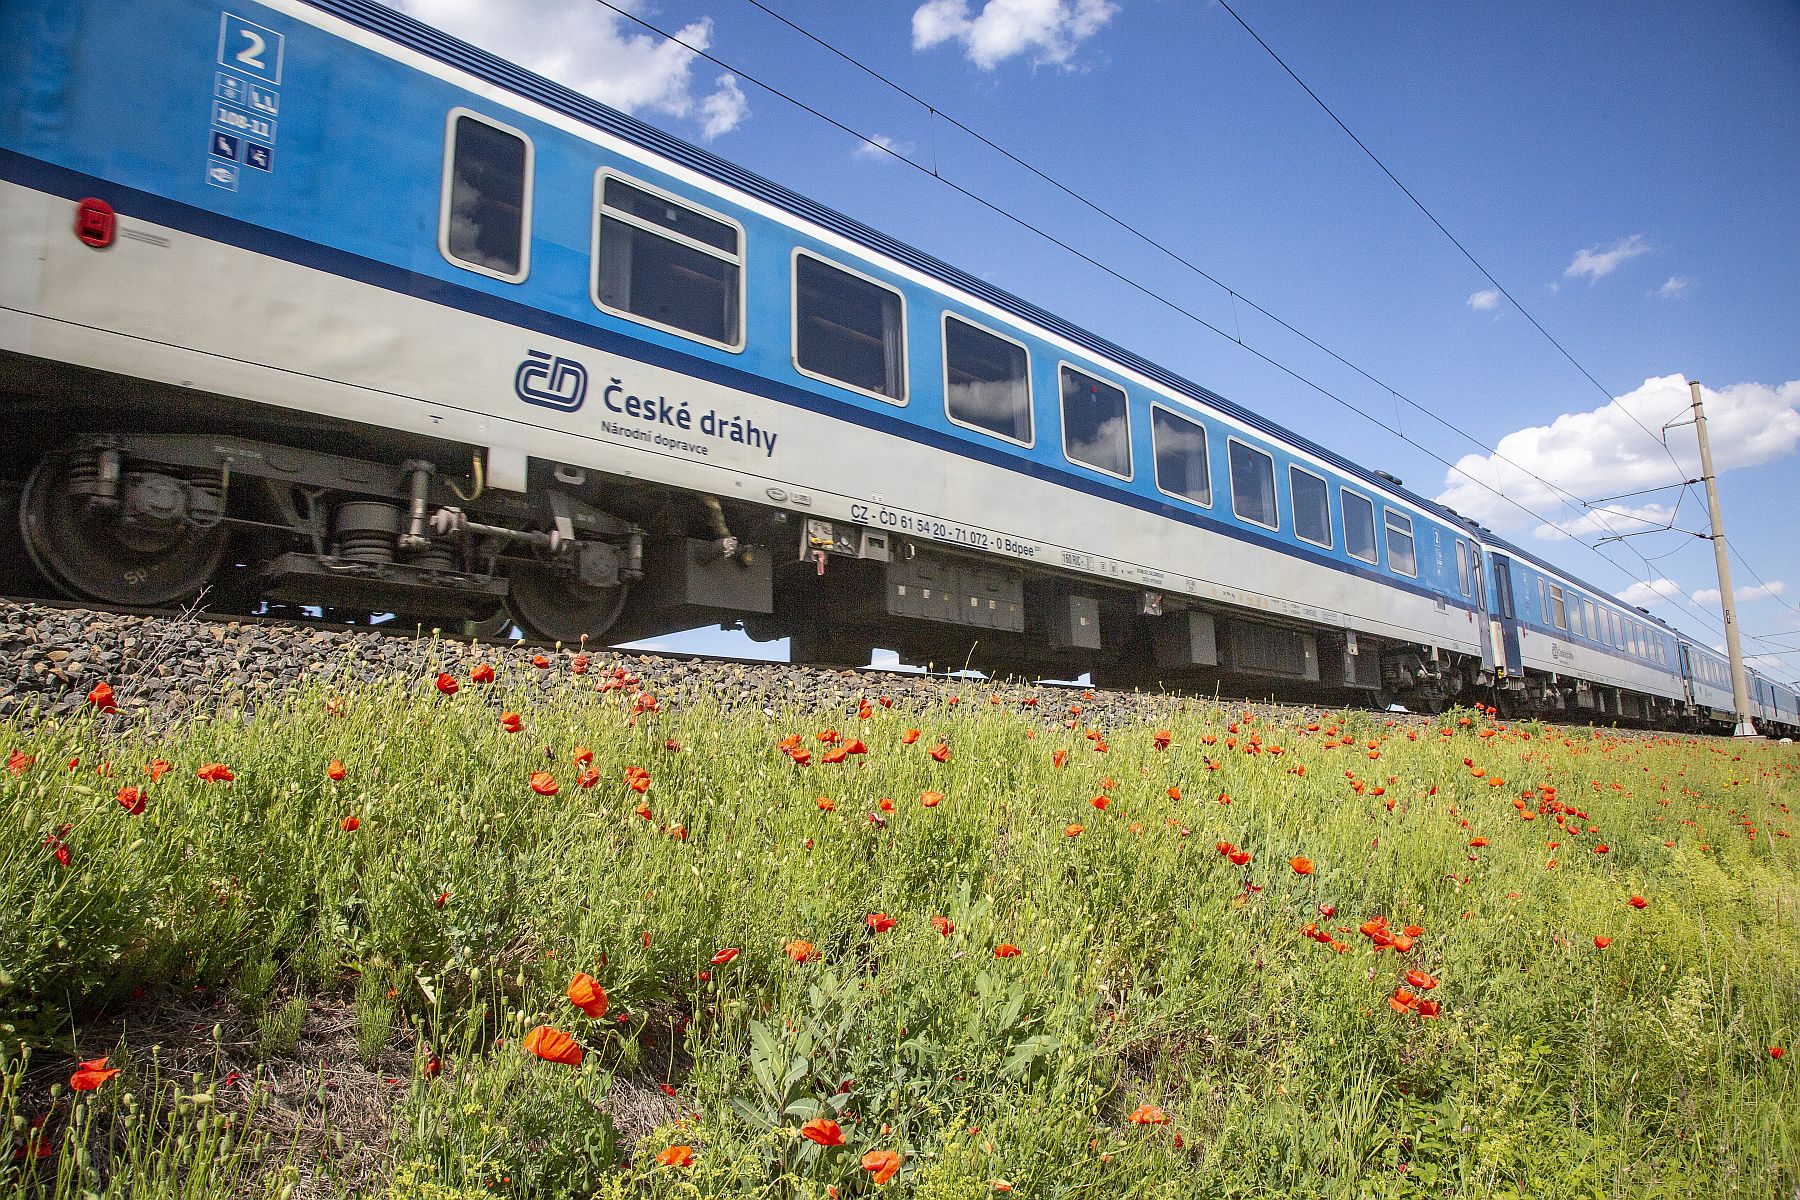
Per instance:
{"type": "Point", "coordinates": [1627, 172]}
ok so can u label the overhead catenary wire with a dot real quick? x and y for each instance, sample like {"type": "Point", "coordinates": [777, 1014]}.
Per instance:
{"type": "Point", "coordinates": [992, 206]}
{"type": "Point", "coordinates": [1454, 240]}
{"type": "Point", "coordinates": [1233, 295]}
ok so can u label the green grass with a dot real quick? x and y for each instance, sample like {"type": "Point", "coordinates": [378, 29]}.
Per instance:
{"type": "Point", "coordinates": [1151, 969]}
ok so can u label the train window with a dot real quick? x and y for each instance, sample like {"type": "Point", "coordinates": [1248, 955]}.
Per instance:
{"type": "Point", "coordinates": [1618, 633]}
{"type": "Point", "coordinates": [661, 261]}
{"type": "Point", "coordinates": [848, 329]}
{"type": "Point", "coordinates": [484, 216]}
{"type": "Point", "coordinates": [1309, 501]}
{"type": "Point", "coordinates": [1593, 616]}
{"type": "Point", "coordinates": [1401, 557]}
{"type": "Point", "coordinates": [1095, 431]}
{"type": "Point", "coordinates": [1575, 626]}
{"type": "Point", "coordinates": [1179, 446]}
{"type": "Point", "coordinates": [986, 381]}
{"type": "Point", "coordinates": [1559, 613]}
{"type": "Point", "coordinates": [1359, 525]}
{"type": "Point", "coordinates": [1462, 568]}
{"type": "Point", "coordinates": [1252, 484]}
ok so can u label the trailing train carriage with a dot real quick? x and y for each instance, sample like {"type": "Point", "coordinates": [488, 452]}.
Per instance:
{"type": "Point", "coordinates": [332, 309]}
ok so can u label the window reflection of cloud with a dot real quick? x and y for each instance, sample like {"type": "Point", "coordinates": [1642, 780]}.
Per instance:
{"type": "Point", "coordinates": [999, 405]}
{"type": "Point", "coordinates": [1105, 447]}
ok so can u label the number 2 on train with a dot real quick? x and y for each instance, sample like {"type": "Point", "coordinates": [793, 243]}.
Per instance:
{"type": "Point", "coordinates": [251, 48]}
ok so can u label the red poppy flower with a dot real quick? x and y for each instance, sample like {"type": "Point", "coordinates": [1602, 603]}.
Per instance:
{"type": "Point", "coordinates": [1072, 830]}
{"type": "Point", "coordinates": [543, 783]}
{"type": "Point", "coordinates": [349, 824]}
{"type": "Point", "coordinates": [822, 1131]}
{"type": "Point", "coordinates": [1240, 857]}
{"type": "Point", "coordinates": [1148, 1114]}
{"type": "Point", "coordinates": [801, 950]}
{"type": "Point", "coordinates": [1161, 739]}
{"type": "Point", "coordinates": [1478, 842]}
{"type": "Point", "coordinates": [1777, 1051]}
{"type": "Point", "coordinates": [1301, 865]}
{"type": "Point", "coordinates": [724, 956]}
{"type": "Point", "coordinates": [335, 771]}
{"type": "Point", "coordinates": [1100, 802]}
{"type": "Point", "coordinates": [586, 994]}
{"type": "Point", "coordinates": [882, 1165]}
{"type": "Point", "coordinates": [943, 925]}
{"type": "Point", "coordinates": [885, 804]}
{"type": "Point", "coordinates": [156, 769]}
{"type": "Point", "coordinates": [133, 800]}
{"type": "Point", "coordinates": [216, 773]}
{"type": "Point", "coordinates": [1421, 980]}
{"type": "Point", "coordinates": [1601, 849]}
{"type": "Point", "coordinates": [909, 737]}
{"type": "Point", "coordinates": [91, 1074]}
{"type": "Point", "coordinates": [941, 752]}
{"type": "Point", "coordinates": [510, 722]}
{"type": "Point", "coordinates": [540, 662]}
{"type": "Point", "coordinates": [579, 664]}
{"type": "Point", "coordinates": [637, 779]}
{"type": "Point", "coordinates": [1428, 1009]}
{"type": "Point", "coordinates": [1174, 793]}
{"type": "Point", "coordinates": [447, 684]}
{"type": "Point", "coordinates": [931, 799]}
{"type": "Point", "coordinates": [1006, 950]}
{"type": "Point", "coordinates": [675, 1156]}
{"type": "Point", "coordinates": [1638, 902]}
{"type": "Point", "coordinates": [19, 762]}
{"type": "Point", "coordinates": [482, 673]}
{"type": "Point", "coordinates": [826, 804]}
{"type": "Point", "coordinates": [102, 697]}
{"type": "Point", "coordinates": [588, 778]}
{"type": "Point", "coordinates": [1601, 942]}
{"type": "Point", "coordinates": [879, 922]}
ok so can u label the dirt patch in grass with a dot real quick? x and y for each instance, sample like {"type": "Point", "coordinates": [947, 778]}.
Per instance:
{"type": "Point", "coordinates": [319, 1106]}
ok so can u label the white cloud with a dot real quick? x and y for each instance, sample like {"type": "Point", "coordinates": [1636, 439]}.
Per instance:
{"type": "Point", "coordinates": [1597, 263]}
{"type": "Point", "coordinates": [881, 148]}
{"type": "Point", "coordinates": [1674, 288]}
{"type": "Point", "coordinates": [1484, 301]}
{"type": "Point", "coordinates": [1602, 452]}
{"type": "Point", "coordinates": [1743, 595]}
{"type": "Point", "coordinates": [1643, 595]}
{"type": "Point", "coordinates": [595, 51]}
{"type": "Point", "coordinates": [1048, 30]}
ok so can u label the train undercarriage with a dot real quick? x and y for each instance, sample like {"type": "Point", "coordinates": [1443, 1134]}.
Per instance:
{"type": "Point", "coordinates": [144, 497]}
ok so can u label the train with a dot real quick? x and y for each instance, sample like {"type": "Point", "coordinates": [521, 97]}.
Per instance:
{"type": "Point", "coordinates": [306, 306]}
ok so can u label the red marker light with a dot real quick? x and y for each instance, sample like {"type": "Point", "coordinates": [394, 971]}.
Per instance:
{"type": "Point", "coordinates": [95, 223]}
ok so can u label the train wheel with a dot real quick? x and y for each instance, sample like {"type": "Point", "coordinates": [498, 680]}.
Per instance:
{"type": "Point", "coordinates": [152, 558]}
{"type": "Point", "coordinates": [555, 606]}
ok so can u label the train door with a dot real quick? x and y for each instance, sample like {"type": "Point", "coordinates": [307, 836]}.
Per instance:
{"type": "Point", "coordinates": [1687, 673]}
{"type": "Point", "coordinates": [1505, 622]}
{"type": "Point", "coordinates": [1479, 588]}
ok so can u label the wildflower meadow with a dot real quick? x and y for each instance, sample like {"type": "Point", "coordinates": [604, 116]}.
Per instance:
{"type": "Point", "coordinates": [534, 930]}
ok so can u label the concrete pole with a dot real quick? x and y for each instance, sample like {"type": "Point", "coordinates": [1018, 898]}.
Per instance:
{"type": "Point", "coordinates": [1740, 680]}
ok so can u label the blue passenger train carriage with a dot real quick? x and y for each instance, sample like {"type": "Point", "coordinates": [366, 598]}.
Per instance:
{"type": "Point", "coordinates": [326, 308]}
